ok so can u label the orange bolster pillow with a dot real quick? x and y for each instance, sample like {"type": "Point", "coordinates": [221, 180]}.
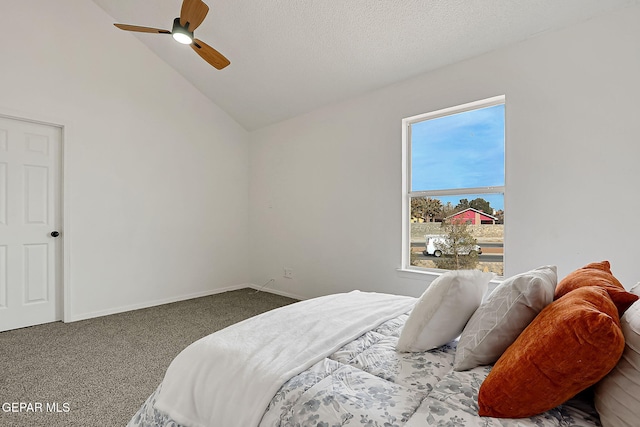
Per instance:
{"type": "Point", "coordinates": [597, 274]}
{"type": "Point", "coordinates": [573, 343]}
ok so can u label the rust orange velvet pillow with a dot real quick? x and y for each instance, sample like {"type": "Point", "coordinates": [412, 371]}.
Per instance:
{"type": "Point", "coordinates": [573, 343]}
{"type": "Point", "coordinates": [597, 274]}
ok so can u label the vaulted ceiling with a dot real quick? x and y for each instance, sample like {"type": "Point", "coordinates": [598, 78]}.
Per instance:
{"type": "Point", "coordinates": [290, 57]}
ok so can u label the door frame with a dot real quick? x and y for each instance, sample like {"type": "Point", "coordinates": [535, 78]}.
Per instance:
{"type": "Point", "coordinates": [63, 273]}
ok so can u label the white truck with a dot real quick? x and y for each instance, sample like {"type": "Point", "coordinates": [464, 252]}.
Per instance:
{"type": "Point", "coordinates": [433, 245]}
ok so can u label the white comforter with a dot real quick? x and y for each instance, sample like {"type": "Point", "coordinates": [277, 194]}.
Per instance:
{"type": "Point", "coordinates": [228, 378]}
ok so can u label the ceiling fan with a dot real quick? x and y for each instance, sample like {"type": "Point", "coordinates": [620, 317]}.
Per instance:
{"type": "Point", "coordinates": [191, 16]}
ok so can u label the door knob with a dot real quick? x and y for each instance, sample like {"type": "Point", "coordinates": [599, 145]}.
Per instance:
{"type": "Point", "coordinates": [54, 234]}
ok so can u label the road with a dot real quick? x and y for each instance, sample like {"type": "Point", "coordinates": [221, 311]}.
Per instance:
{"type": "Point", "coordinates": [491, 252]}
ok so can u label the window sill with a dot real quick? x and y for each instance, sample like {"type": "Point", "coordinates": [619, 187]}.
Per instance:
{"type": "Point", "coordinates": [422, 275]}
{"type": "Point", "coordinates": [408, 273]}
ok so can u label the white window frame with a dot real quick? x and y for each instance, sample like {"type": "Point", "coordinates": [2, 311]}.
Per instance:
{"type": "Point", "coordinates": [407, 194]}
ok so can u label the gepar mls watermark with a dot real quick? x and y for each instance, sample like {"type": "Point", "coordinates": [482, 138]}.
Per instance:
{"type": "Point", "coordinates": [36, 407]}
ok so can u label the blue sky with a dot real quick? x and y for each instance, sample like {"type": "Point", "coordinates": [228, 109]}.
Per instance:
{"type": "Point", "coordinates": [463, 150]}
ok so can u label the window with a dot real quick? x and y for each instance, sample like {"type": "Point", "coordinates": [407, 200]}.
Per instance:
{"type": "Point", "coordinates": [453, 188]}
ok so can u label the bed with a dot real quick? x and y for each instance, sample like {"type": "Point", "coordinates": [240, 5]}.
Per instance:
{"type": "Point", "coordinates": [350, 361]}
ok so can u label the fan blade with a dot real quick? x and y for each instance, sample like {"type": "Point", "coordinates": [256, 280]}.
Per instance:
{"type": "Point", "coordinates": [141, 29]}
{"type": "Point", "coordinates": [209, 54]}
{"type": "Point", "coordinates": [193, 13]}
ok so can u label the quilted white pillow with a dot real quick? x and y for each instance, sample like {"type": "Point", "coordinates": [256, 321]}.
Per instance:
{"type": "Point", "coordinates": [503, 316]}
{"type": "Point", "coordinates": [617, 396]}
{"type": "Point", "coordinates": [443, 309]}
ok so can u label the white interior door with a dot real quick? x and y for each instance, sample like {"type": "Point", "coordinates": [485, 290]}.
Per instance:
{"type": "Point", "coordinates": [30, 214]}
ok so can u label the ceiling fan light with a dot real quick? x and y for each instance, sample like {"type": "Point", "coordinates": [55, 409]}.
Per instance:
{"type": "Point", "coordinates": [182, 38]}
{"type": "Point", "coordinates": [180, 33]}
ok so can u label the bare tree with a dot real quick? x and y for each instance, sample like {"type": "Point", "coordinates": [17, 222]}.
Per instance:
{"type": "Point", "coordinates": [458, 247]}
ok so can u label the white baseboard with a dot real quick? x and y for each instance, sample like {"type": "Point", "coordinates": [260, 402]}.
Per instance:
{"type": "Point", "coordinates": [275, 291]}
{"type": "Point", "coordinates": [154, 303]}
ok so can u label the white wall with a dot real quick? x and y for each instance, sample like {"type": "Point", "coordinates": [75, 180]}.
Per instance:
{"type": "Point", "coordinates": [156, 176]}
{"type": "Point", "coordinates": [325, 187]}
{"type": "Point", "coordinates": [161, 184]}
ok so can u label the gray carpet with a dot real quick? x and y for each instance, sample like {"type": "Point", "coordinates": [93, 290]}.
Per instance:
{"type": "Point", "coordinates": [98, 372]}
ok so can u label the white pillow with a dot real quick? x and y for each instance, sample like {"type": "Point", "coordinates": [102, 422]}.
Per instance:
{"type": "Point", "coordinates": [443, 309]}
{"type": "Point", "coordinates": [617, 396]}
{"type": "Point", "coordinates": [503, 316]}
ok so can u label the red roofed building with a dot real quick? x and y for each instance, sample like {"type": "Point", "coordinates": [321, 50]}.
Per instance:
{"type": "Point", "coordinates": [474, 217]}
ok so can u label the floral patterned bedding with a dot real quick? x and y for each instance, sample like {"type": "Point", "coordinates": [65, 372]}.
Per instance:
{"type": "Point", "coordinates": [368, 383]}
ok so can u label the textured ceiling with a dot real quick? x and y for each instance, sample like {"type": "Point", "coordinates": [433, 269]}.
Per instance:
{"type": "Point", "coordinates": [292, 56]}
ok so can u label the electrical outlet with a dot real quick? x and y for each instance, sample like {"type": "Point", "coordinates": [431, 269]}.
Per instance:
{"type": "Point", "coordinates": [288, 273]}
